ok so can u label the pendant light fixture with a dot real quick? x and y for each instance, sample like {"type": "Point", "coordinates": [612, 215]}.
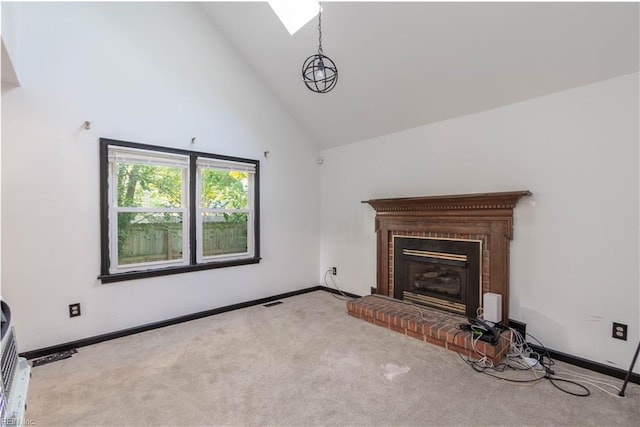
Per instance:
{"type": "Point", "coordinates": [319, 72]}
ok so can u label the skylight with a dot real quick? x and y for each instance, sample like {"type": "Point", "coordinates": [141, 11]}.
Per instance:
{"type": "Point", "coordinates": [295, 14]}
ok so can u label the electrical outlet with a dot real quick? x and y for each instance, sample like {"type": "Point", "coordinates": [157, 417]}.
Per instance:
{"type": "Point", "coordinates": [619, 331]}
{"type": "Point", "coordinates": [518, 326]}
{"type": "Point", "coordinates": [334, 271]}
{"type": "Point", "coordinates": [74, 310]}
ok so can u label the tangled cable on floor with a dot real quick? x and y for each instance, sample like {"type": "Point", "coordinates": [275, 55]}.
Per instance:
{"type": "Point", "coordinates": [522, 357]}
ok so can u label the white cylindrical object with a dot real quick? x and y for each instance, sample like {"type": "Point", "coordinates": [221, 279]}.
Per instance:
{"type": "Point", "coordinates": [492, 307]}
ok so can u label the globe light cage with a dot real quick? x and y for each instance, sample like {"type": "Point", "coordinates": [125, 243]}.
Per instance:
{"type": "Point", "coordinates": [319, 73]}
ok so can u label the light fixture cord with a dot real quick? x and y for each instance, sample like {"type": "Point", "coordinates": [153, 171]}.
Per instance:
{"type": "Point", "coordinates": [320, 29]}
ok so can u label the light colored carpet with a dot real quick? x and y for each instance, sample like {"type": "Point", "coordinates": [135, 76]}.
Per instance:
{"type": "Point", "coordinates": [304, 362]}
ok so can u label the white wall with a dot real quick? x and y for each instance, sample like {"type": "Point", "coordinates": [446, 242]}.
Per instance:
{"type": "Point", "coordinates": [10, 41]}
{"type": "Point", "coordinates": [9, 64]}
{"type": "Point", "coordinates": [574, 257]}
{"type": "Point", "coordinates": [152, 73]}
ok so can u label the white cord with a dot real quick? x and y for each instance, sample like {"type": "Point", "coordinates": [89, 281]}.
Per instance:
{"type": "Point", "coordinates": [344, 297]}
{"type": "Point", "coordinates": [410, 303]}
{"type": "Point", "coordinates": [422, 315]}
{"type": "Point", "coordinates": [584, 376]}
{"type": "Point", "coordinates": [591, 380]}
{"type": "Point", "coordinates": [571, 378]}
{"type": "Point", "coordinates": [520, 354]}
{"type": "Point", "coordinates": [520, 349]}
{"type": "Point", "coordinates": [484, 360]}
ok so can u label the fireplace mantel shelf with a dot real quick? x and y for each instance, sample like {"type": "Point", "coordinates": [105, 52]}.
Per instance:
{"type": "Point", "coordinates": [479, 201]}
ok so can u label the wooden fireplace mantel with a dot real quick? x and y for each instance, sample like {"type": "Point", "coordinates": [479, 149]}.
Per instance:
{"type": "Point", "coordinates": [486, 214]}
{"type": "Point", "coordinates": [478, 201]}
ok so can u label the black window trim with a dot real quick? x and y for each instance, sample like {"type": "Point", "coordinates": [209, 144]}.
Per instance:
{"type": "Point", "coordinates": [106, 277]}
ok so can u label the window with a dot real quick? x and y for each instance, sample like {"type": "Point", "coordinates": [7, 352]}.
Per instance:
{"type": "Point", "coordinates": [225, 196]}
{"type": "Point", "coordinates": [148, 209]}
{"type": "Point", "coordinates": [166, 211]}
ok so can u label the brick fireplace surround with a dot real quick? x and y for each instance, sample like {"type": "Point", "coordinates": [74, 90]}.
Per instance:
{"type": "Point", "coordinates": [487, 217]}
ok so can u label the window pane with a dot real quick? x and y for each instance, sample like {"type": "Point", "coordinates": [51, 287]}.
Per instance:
{"type": "Point", "coordinates": [224, 233]}
{"type": "Point", "coordinates": [149, 237]}
{"type": "Point", "coordinates": [149, 186]}
{"type": "Point", "coordinates": [224, 189]}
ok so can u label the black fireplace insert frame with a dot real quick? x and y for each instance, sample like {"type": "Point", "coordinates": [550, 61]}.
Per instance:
{"type": "Point", "coordinates": [471, 248]}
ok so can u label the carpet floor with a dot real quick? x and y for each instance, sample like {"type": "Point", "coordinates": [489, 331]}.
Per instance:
{"type": "Point", "coordinates": [304, 362]}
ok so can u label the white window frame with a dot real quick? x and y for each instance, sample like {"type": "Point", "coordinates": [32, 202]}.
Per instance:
{"type": "Point", "coordinates": [128, 155]}
{"type": "Point", "coordinates": [206, 163]}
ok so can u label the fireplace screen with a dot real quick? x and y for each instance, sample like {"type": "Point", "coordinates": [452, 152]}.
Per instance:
{"type": "Point", "coordinates": [439, 273]}
{"type": "Point", "coordinates": [447, 281]}
{"type": "Point", "coordinates": [434, 281]}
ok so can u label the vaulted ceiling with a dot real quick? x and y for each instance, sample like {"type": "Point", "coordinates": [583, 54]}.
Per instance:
{"type": "Point", "coordinates": [403, 65]}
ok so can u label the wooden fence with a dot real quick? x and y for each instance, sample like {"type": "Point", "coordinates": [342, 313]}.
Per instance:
{"type": "Point", "coordinates": [158, 242]}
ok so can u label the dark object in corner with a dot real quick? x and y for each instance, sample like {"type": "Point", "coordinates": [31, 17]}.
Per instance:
{"type": "Point", "coordinates": [373, 290]}
{"type": "Point", "coordinates": [483, 331]}
{"type": "Point", "coordinates": [626, 380]}
{"type": "Point", "coordinates": [54, 357]}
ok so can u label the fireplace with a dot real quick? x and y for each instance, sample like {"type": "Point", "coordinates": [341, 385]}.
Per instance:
{"type": "Point", "coordinates": [440, 273]}
{"type": "Point", "coordinates": [443, 252]}
{"type": "Point", "coordinates": [436, 268]}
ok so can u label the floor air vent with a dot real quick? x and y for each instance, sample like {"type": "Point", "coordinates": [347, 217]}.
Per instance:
{"type": "Point", "coordinates": [53, 357]}
{"type": "Point", "coordinates": [271, 304]}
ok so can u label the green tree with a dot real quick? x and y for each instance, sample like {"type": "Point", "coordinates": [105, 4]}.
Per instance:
{"type": "Point", "coordinates": [224, 189]}
{"type": "Point", "coordinates": [146, 186]}
{"type": "Point", "coordinates": [155, 186]}
{"type": "Point", "coordinates": [149, 186]}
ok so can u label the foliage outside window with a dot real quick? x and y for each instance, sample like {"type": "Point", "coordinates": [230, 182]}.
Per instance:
{"type": "Point", "coordinates": [225, 209]}
{"type": "Point", "coordinates": [170, 211]}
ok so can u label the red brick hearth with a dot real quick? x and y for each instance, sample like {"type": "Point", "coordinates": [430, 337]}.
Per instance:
{"type": "Point", "coordinates": [426, 324]}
